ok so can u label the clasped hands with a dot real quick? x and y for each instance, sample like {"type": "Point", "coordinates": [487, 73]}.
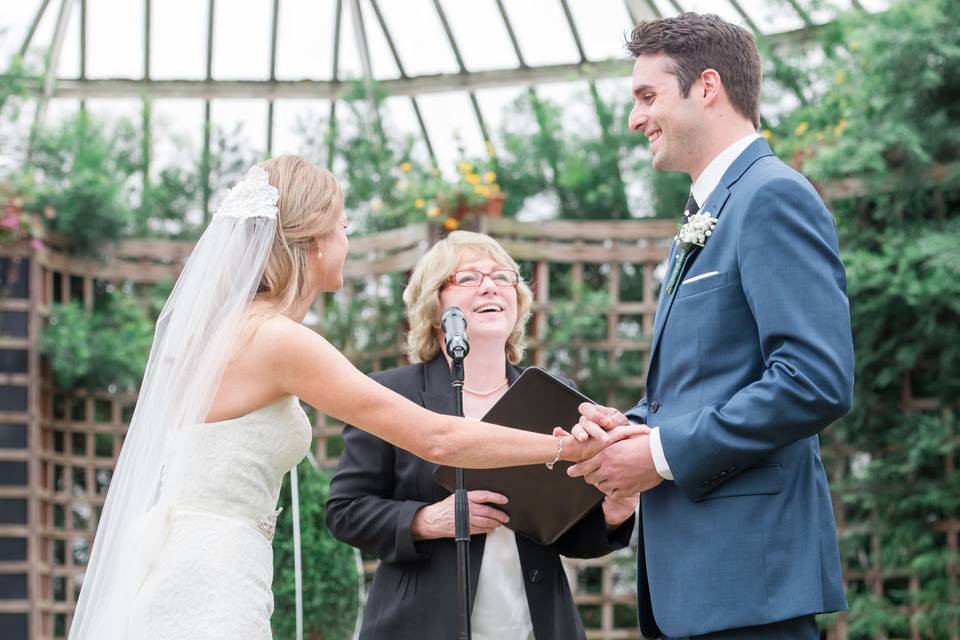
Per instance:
{"type": "Point", "coordinates": [624, 468]}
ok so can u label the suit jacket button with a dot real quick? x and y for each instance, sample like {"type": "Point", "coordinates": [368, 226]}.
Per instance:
{"type": "Point", "coordinates": [654, 406]}
{"type": "Point", "coordinates": [534, 576]}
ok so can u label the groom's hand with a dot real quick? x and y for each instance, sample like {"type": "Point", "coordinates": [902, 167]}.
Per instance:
{"type": "Point", "coordinates": [624, 468]}
{"type": "Point", "coordinates": [595, 420]}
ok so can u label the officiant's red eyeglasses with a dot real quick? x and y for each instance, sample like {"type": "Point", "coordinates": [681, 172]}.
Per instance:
{"type": "Point", "coordinates": [473, 278]}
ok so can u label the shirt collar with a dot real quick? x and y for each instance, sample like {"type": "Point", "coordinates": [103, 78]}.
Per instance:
{"type": "Point", "coordinates": [711, 175]}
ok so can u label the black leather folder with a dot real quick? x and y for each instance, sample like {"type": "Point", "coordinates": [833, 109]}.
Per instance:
{"type": "Point", "coordinates": [543, 504]}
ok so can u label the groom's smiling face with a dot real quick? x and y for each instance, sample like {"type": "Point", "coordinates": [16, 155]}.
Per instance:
{"type": "Point", "coordinates": [668, 120]}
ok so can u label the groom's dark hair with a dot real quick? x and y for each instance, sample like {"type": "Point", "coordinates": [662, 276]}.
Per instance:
{"type": "Point", "coordinates": [697, 42]}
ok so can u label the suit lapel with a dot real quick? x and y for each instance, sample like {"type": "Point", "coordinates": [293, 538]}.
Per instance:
{"type": "Point", "coordinates": [714, 206]}
{"type": "Point", "coordinates": [437, 395]}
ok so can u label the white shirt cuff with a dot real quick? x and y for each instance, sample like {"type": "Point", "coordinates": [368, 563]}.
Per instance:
{"type": "Point", "coordinates": [659, 460]}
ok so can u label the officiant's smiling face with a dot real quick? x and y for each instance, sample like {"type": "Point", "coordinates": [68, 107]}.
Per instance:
{"type": "Point", "coordinates": [490, 309]}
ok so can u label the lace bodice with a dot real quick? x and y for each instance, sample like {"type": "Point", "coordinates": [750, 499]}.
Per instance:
{"type": "Point", "coordinates": [238, 461]}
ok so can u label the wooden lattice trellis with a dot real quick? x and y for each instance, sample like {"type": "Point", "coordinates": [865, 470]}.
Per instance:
{"type": "Point", "coordinates": [57, 449]}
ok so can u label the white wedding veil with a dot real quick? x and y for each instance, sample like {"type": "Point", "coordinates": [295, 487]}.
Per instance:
{"type": "Point", "coordinates": [195, 337]}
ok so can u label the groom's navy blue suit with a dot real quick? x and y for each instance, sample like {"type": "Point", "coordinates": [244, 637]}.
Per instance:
{"type": "Point", "coordinates": [748, 363]}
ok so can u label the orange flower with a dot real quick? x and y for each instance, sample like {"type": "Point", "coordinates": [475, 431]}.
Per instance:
{"type": "Point", "coordinates": [450, 224]}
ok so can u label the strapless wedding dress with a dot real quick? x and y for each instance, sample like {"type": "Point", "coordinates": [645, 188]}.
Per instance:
{"type": "Point", "coordinates": [205, 554]}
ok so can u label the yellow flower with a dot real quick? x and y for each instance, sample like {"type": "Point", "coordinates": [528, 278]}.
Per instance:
{"type": "Point", "coordinates": [495, 188]}
{"type": "Point", "coordinates": [472, 178]}
{"type": "Point", "coordinates": [802, 128]}
{"type": "Point", "coordinates": [433, 212]}
{"type": "Point", "coordinates": [450, 224]}
{"type": "Point", "coordinates": [465, 167]}
{"type": "Point", "coordinates": [489, 176]}
{"type": "Point", "coordinates": [419, 203]}
{"type": "Point", "coordinates": [841, 125]}
{"type": "Point", "coordinates": [482, 190]}
{"type": "Point", "coordinates": [766, 133]}
{"type": "Point", "coordinates": [405, 166]}
{"type": "Point", "coordinates": [840, 76]}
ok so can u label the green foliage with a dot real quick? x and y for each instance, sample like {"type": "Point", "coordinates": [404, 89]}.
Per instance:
{"type": "Point", "coordinates": [369, 320]}
{"type": "Point", "coordinates": [103, 350]}
{"type": "Point", "coordinates": [330, 577]}
{"type": "Point", "coordinates": [15, 85]}
{"type": "Point", "coordinates": [80, 171]}
{"type": "Point", "coordinates": [580, 168]}
{"type": "Point", "coordinates": [889, 97]}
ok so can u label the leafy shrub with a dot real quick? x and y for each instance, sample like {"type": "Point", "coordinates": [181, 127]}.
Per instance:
{"type": "Point", "coordinates": [330, 577]}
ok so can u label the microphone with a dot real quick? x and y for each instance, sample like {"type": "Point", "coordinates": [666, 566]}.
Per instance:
{"type": "Point", "coordinates": [454, 326]}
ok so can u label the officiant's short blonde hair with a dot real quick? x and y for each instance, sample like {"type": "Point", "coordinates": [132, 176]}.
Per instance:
{"type": "Point", "coordinates": [422, 295]}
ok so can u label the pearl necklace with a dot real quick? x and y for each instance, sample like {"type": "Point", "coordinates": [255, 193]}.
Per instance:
{"type": "Point", "coordinates": [488, 392]}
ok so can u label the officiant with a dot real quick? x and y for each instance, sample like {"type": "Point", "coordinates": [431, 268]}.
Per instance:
{"type": "Point", "coordinates": [386, 502]}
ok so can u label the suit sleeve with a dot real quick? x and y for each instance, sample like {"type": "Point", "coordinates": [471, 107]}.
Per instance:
{"type": "Point", "coordinates": [361, 510]}
{"type": "Point", "coordinates": [795, 287]}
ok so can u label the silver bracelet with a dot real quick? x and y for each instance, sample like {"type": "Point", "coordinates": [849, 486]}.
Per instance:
{"type": "Point", "coordinates": [556, 458]}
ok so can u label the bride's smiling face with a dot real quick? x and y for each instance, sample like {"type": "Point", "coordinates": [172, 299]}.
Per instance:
{"type": "Point", "coordinates": [327, 257]}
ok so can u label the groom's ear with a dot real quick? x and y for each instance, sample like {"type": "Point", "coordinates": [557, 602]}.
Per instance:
{"type": "Point", "coordinates": [710, 87]}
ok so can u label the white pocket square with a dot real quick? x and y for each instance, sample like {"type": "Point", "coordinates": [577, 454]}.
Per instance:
{"type": "Point", "coordinates": [702, 276]}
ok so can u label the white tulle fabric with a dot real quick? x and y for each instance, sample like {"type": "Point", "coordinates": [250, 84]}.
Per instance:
{"type": "Point", "coordinates": [195, 336]}
{"type": "Point", "coordinates": [213, 570]}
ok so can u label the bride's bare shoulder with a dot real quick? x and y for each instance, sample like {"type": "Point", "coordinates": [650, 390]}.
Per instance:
{"type": "Point", "coordinates": [280, 338]}
{"type": "Point", "coordinates": [281, 332]}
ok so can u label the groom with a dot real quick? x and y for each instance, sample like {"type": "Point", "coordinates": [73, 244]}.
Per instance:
{"type": "Point", "coordinates": [751, 358]}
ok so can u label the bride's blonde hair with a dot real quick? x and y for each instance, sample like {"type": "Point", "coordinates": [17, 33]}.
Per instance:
{"type": "Point", "coordinates": [308, 209]}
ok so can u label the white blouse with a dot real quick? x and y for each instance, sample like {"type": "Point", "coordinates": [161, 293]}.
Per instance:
{"type": "Point", "coordinates": [500, 610]}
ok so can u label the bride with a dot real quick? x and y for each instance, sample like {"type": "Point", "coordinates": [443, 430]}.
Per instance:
{"type": "Point", "coordinates": [183, 547]}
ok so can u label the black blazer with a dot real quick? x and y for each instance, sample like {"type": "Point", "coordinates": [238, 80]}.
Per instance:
{"type": "Point", "coordinates": [374, 495]}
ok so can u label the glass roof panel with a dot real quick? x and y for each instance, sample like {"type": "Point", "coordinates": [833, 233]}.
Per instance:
{"type": "Point", "coordinates": [481, 35]}
{"type": "Point", "coordinates": [495, 104]}
{"type": "Point", "coordinates": [726, 11]}
{"type": "Point", "coordinates": [827, 10]}
{"type": "Point", "coordinates": [68, 65]}
{"type": "Point", "coordinates": [418, 34]}
{"type": "Point", "coordinates": [401, 121]}
{"type": "Point", "coordinates": [241, 39]}
{"type": "Point", "coordinates": [666, 7]}
{"type": "Point", "coordinates": [118, 52]}
{"type": "Point", "coordinates": [305, 46]}
{"type": "Point", "coordinates": [60, 110]}
{"type": "Point", "coordinates": [451, 123]}
{"type": "Point", "coordinates": [176, 133]}
{"type": "Point", "coordinates": [178, 40]}
{"type": "Point", "coordinates": [349, 63]}
{"type": "Point", "coordinates": [579, 115]}
{"type": "Point", "coordinates": [300, 127]}
{"type": "Point", "coordinates": [602, 25]}
{"type": "Point", "coordinates": [382, 62]}
{"type": "Point", "coordinates": [112, 109]}
{"type": "Point", "coordinates": [772, 17]}
{"type": "Point", "coordinates": [542, 31]}
{"type": "Point", "coordinates": [16, 20]}
{"type": "Point", "coordinates": [248, 118]}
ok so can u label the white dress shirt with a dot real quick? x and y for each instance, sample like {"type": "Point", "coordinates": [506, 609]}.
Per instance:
{"type": "Point", "coordinates": [701, 189]}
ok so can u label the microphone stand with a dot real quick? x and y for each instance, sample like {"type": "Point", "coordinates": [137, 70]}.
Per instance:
{"type": "Point", "coordinates": [461, 511]}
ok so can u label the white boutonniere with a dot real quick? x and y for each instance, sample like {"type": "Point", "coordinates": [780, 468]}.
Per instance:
{"type": "Point", "coordinates": [694, 233]}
